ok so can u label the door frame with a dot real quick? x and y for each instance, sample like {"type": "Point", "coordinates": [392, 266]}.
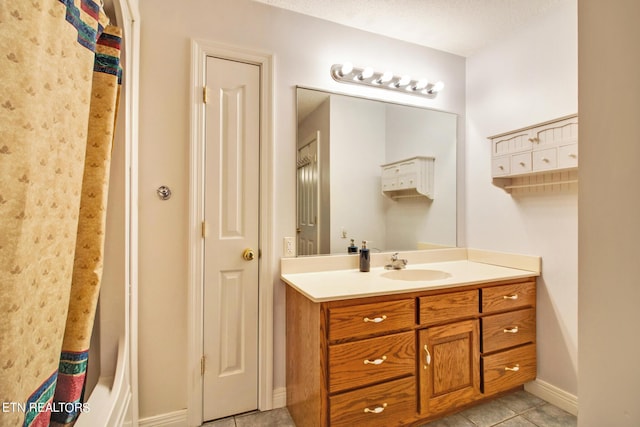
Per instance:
{"type": "Point", "coordinates": [200, 50]}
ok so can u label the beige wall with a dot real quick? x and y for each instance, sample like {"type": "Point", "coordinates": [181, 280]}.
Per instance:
{"type": "Point", "coordinates": [525, 79]}
{"type": "Point", "coordinates": [304, 50]}
{"type": "Point", "coordinates": [609, 293]}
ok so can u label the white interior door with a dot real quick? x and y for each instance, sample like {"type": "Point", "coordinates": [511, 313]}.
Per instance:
{"type": "Point", "coordinates": [308, 196]}
{"type": "Point", "coordinates": [232, 160]}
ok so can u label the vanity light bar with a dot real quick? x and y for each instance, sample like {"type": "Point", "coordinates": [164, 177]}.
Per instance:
{"type": "Point", "coordinates": [347, 73]}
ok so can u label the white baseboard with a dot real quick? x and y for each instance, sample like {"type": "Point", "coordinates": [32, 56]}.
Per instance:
{"type": "Point", "coordinates": [171, 419]}
{"type": "Point", "coordinates": [180, 418]}
{"type": "Point", "coordinates": [280, 397]}
{"type": "Point", "coordinates": [553, 395]}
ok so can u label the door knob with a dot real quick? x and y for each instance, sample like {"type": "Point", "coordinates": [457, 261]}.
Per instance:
{"type": "Point", "coordinates": [248, 254]}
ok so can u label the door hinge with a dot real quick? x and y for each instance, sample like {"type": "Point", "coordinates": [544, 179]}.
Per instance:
{"type": "Point", "coordinates": [202, 363]}
{"type": "Point", "coordinates": [204, 230]}
{"type": "Point", "coordinates": [205, 94]}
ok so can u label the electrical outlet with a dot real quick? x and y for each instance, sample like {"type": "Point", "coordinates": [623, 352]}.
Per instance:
{"type": "Point", "coordinates": [288, 247]}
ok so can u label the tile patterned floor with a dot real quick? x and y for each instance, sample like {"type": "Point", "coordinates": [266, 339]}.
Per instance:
{"type": "Point", "coordinates": [518, 409]}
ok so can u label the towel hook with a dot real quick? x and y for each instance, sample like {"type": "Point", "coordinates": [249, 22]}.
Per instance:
{"type": "Point", "coordinates": [164, 192]}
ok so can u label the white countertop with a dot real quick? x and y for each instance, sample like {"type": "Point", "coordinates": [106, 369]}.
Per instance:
{"type": "Point", "coordinates": [322, 286]}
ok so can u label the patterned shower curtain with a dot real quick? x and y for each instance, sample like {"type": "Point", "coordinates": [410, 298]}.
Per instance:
{"type": "Point", "coordinates": [59, 83]}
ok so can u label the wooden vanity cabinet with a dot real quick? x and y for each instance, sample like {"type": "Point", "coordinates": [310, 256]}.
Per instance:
{"type": "Point", "coordinates": [401, 359]}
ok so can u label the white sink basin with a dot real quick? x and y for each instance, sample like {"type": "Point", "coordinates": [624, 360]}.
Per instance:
{"type": "Point", "coordinates": [416, 275]}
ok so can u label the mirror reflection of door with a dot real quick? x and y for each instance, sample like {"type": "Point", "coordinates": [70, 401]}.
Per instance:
{"type": "Point", "coordinates": [308, 196]}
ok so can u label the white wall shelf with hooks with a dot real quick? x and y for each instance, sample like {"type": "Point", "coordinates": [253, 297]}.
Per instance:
{"type": "Point", "coordinates": [541, 157]}
{"type": "Point", "coordinates": [412, 177]}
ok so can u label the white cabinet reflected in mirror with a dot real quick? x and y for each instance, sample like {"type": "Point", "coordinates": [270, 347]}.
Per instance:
{"type": "Point", "coordinates": [342, 143]}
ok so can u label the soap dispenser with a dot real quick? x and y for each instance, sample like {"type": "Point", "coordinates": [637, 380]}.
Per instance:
{"type": "Point", "coordinates": [365, 263]}
{"type": "Point", "coordinates": [352, 248]}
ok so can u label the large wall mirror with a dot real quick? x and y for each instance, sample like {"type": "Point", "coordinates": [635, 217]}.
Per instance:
{"type": "Point", "coordinates": [342, 143]}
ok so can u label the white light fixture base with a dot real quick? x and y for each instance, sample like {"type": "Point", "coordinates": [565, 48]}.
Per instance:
{"type": "Point", "coordinates": [346, 73]}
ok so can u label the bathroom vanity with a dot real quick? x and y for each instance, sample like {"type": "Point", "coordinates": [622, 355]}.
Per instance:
{"type": "Point", "coordinates": [398, 347]}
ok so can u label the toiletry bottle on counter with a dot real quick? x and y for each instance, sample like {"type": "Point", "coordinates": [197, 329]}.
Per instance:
{"type": "Point", "coordinates": [352, 248]}
{"type": "Point", "coordinates": [365, 263]}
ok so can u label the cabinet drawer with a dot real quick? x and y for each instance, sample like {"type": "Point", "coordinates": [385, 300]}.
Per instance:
{"type": "Point", "coordinates": [371, 360]}
{"type": "Point", "coordinates": [389, 184]}
{"type": "Point", "coordinates": [520, 163]}
{"type": "Point", "coordinates": [409, 180]}
{"type": "Point", "coordinates": [508, 329]}
{"type": "Point", "coordinates": [387, 404]}
{"type": "Point", "coordinates": [508, 297]}
{"type": "Point", "coordinates": [371, 319]}
{"type": "Point", "coordinates": [545, 159]}
{"type": "Point", "coordinates": [450, 306]}
{"type": "Point", "coordinates": [509, 369]}
{"type": "Point", "coordinates": [568, 156]}
{"type": "Point", "coordinates": [500, 166]}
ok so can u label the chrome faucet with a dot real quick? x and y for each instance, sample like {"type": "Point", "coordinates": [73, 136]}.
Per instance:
{"type": "Point", "coordinates": [396, 263]}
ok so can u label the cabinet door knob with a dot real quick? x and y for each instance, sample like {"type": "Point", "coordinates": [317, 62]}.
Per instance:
{"type": "Point", "coordinates": [515, 368]}
{"type": "Point", "coordinates": [375, 319]}
{"type": "Point", "coordinates": [511, 297]}
{"type": "Point", "coordinates": [544, 159]}
{"type": "Point", "coordinates": [522, 164]}
{"type": "Point", "coordinates": [513, 330]}
{"type": "Point", "coordinates": [375, 362]}
{"type": "Point", "coordinates": [375, 410]}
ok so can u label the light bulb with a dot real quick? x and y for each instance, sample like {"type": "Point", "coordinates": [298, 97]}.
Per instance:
{"type": "Point", "coordinates": [388, 75]}
{"type": "Point", "coordinates": [422, 83]}
{"type": "Point", "coordinates": [346, 69]}
{"type": "Point", "coordinates": [366, 73]}
{"type": "Point", "coordinates": [437, 87]}
{"type": "Point", "coordinates": [404, 80]}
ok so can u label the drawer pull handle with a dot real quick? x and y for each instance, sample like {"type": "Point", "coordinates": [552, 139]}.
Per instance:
{"type": "Point", "coordinates": [375, 362]}
{"type": "Point", "coordinates": [573, 156]}
{"type": "Point", "coordinates": [544, 159]}
{"type": "Point", "coordinates": [513, 330]}
{"type": "Point", "coordinates": [376, 410]}
{"type": "Point", "coordinates": [375, 319]}
{"type": "Point", "coordinates": [522, 164]}
{"type": "Point", "coordinates": [427, 358]}
{"type": "Point", "coordinates": [513, 297]}
{"type": "Point", "coordinates": [516, 368]}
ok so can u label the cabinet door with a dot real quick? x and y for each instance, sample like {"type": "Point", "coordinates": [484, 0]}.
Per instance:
{"type": "Point", "coordinates": [449, 366]}
{"type": "Point", "coordinates": [556, 133]}
{"type": "Point", "coordinates": [512, 143]}
{"type": "Point", "coordinates": [390, 178]}
{"type": "Point", "coordinates": [408, 175]}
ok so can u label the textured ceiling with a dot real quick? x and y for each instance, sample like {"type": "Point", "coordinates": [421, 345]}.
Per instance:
{"type": "Point", "coordinates": [457, 26]}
